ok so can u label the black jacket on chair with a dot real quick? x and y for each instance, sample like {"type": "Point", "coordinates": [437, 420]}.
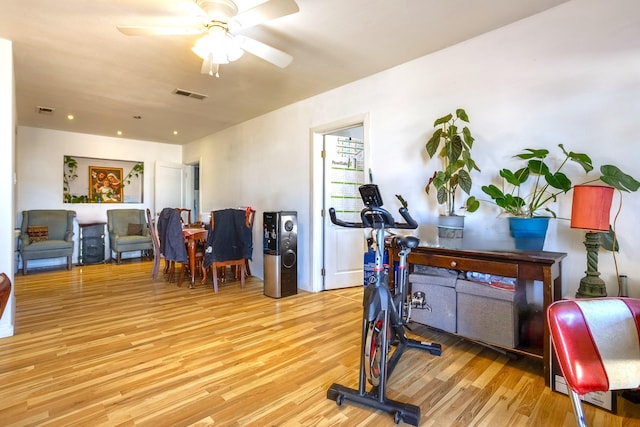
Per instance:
{"type": "Point", "coordinates": [230, 238]}
{"type": "Point", "coordinates": [170, 234]}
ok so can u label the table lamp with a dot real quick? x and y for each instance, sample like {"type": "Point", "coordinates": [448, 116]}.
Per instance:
{"type": "Point", "coordinates": [590, 211]}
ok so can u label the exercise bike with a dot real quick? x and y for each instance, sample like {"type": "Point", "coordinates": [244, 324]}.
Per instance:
{"type": "Point", "coordinates": [384, 315]}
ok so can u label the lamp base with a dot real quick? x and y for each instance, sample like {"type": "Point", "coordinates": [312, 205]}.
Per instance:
{"type": "Point", "coordinates": [591, 287]}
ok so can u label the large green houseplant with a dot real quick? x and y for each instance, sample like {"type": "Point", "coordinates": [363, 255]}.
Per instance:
{"type": "Point", "coordinates": [453, 146]}
{"type": "Point", "coordinates": [528, 191]}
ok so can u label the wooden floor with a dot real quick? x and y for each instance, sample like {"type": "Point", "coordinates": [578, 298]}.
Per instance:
{"type": "Point", "coordinates": [104, 345]}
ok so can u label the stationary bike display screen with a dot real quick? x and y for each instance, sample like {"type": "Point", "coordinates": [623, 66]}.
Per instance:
{"type": "Point", "coordinates": [371, 195]}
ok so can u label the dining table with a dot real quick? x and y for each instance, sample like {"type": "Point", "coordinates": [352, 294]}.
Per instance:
{"type": "Point", "coordinates": [192, 236]}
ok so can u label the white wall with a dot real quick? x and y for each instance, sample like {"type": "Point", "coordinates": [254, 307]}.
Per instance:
{"type": "Point", "coordinates": [7, 187]}
{"type": "Point", "coordinates": [39, 160]}
{"type": "Point", "coordinates": [568, 75]}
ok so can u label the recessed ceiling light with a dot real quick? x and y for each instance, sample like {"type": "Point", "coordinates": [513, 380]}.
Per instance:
{"type": "Point", "coordinates": [119, 132]}
{"type": "Point", "coordinates": [175, 132]}
{"type": "Point", "coordinates": [70, 116]}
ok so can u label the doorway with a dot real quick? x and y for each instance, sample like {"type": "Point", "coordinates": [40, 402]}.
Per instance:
{"type": "Point", "coordinates": [195, 207]}
{"type": "Point", "coordinates": [175, 186]}
{"type": "Point", "coordinates": [339, 167]}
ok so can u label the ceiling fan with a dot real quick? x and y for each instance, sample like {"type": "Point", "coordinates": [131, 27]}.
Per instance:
{"type": "Point", "coordinates": [218, 20]}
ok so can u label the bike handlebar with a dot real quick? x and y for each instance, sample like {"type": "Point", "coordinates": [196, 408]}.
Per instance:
{"type": "Point", "coordinates": [376, 217]}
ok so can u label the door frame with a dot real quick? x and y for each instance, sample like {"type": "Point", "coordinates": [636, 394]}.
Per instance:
{"type": "Point", "coordinates": [317, 188]}
{"type": "Point", "coordinates": [186, 184]}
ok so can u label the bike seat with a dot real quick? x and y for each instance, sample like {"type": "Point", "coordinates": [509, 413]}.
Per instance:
{"type": "Point", "coordinates": [405, 242]}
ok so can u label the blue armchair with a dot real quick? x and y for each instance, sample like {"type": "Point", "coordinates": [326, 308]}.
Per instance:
{"type": "Point", "coordinates": [128, 231]}
{"type": "Point", "coordinates": [46, 234]}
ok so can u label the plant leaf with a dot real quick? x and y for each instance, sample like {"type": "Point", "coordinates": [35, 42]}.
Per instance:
{"type": "Point", "coordinates": [464, 181]}
{"type": "Point", "coordinates": [439, 180]}
{"type": "Point", "coordinates": [559, 180]}
{"type": "Point", "coordinates": [517, 178]}
{"type": "Point", "coordinates": [472, 204]}
{"type": "Point", "coordinates": [442, 195]}
{"type": "Point", "coordinates": [533, 154]}
{"type": "Point", "coordinates": [434, 142]}
{"type": "Point", "coordinates": [538, 167]}
{"type": "Point", "coordinates": [443, 119]}
{"type": "Point", "coordinates": [469, 162]}
{"type": "Point", "coordinates": [468, 139]}
{"type": "Point", "coordinates": [462, 115]}
{"type": "Point", "coordinates": [455, 149]}
{"type": "Point", "coordinates": [492, 191]}
{"type": "Point", "coordinates": [583, 160]}
{"type": "Point", "coordinates": [607, 239]}
{"type": "Point", "coordinates": [616, 178]}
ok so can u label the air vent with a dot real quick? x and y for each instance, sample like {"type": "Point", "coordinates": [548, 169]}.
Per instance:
{"type": "Point", "coordinates": [190, 94]}
{"type": "Point", "coordinates": [45, 110]}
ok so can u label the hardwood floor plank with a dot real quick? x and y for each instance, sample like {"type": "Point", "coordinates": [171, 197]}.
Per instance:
{"type": "Point", "coordinates": [104, 345]}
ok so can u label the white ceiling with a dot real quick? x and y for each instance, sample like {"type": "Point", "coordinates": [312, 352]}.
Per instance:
{"type": "Point", "coordinates": [69, 56]}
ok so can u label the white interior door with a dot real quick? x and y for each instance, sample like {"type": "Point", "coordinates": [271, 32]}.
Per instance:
{"type": "Point", "coordinates": [343, 247]}
{"type": "Point", "coordinates": [170, 189]}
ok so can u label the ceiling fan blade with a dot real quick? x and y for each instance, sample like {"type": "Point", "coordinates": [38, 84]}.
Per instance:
{"type": "Point", "coordinates": [161, 31]}
{"type": "Point", "coordinates": [264, 12]}
{"type": "Point", "coordinates": [263, 51]}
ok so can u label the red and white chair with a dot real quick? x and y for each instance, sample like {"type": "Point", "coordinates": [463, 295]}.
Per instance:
{"type": "Point", "coordinates": [597, 344]}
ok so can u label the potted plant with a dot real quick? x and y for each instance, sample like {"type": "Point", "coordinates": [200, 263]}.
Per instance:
{"type": "Point", "coordinates": [527, 192]}
{"type": "Point", "coordinates": [453, 146]}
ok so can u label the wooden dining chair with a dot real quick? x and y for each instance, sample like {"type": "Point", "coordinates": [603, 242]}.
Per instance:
{"type": "Point", "coordinates": [231, 244]}
{"type": "Point", "coordinates": [155, 240]}
{"type": "Point", "coordinates": [185, 216]}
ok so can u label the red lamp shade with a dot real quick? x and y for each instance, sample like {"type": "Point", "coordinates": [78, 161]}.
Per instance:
{"type": "Point", "coordinates": [591, 206]}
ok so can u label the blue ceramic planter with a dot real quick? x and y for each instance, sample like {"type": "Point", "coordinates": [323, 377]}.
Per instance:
{"type": "Point", "coordinates": [529, 233]}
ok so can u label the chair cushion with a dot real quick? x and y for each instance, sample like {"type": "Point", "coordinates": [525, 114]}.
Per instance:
{"type": "Point", "coordinates": [131, 243]}
{"type": "Point", "coordinates": [38, 233]}
{"type": "Point", "coordinates": [134, 229]}
{"type": "Point", "coordinates": [47, 249]}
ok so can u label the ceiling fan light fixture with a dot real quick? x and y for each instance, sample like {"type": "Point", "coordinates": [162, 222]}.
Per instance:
{"type": "Point", "coordinates": [216, 19]}
{"type": "Point", "coordinates": [234, 51]}
{"type": "Point", "coordinates": [219, 46]}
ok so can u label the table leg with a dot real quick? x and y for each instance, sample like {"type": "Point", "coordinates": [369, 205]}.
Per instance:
{"type": "Point", "coordinates": [192, 260]}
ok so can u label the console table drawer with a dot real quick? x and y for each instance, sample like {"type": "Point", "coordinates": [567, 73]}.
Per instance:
{"type": "Point", "coordinates": [490, 267]}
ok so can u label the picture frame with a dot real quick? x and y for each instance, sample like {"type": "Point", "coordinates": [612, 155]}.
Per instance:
{"type": "Point", "coordinates": [80, 176]}
{"type": "Point", "coordinates": [105, 184]}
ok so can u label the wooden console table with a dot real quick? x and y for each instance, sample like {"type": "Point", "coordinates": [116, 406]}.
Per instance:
{"type": "Point", "coordinates": [524, 266]}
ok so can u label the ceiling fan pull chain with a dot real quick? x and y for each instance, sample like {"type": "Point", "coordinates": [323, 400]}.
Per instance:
{"type": "Point", "coordinates": [210, 64]}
